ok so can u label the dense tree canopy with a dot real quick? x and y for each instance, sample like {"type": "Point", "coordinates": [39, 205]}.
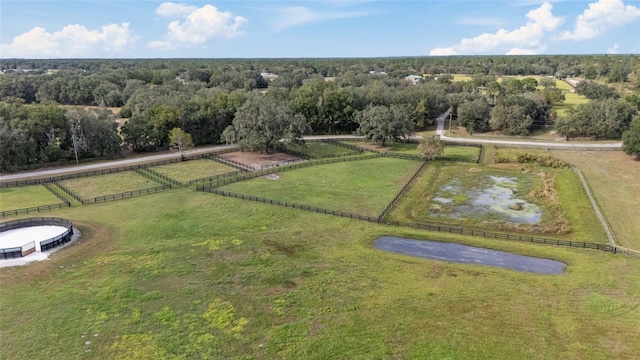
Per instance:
{"type": "Point", "coordinates": [204, 96]}
{"type": "Point", "coordinates": [381, 123]}
{"type": "Point", "coordinates": [601, 119]}
{"type": "Point", "coordinates": [519, 114]}
{"type": "Point", "coordinates": [264, 125]}
{"type": "Point", "coordinates": [631, 138]}
{"type": "Point", "coordinates": [593, 90]}
{"type": "Point", "coordinates": [474, 115]}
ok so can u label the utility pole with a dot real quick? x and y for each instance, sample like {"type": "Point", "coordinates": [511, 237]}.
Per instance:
{"type": "Point", "coordinates": [450, 115]}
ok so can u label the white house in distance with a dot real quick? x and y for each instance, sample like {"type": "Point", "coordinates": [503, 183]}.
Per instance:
{"type": "Point", "coordinates": [268, 76]}
{"type": "Point", "coordinates": [414, 79]}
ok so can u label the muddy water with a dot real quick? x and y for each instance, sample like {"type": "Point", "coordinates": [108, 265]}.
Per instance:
{"type": "Point", "coordinates": [494, 197]}
{"type": "Point", "coordinates": [468, 255]}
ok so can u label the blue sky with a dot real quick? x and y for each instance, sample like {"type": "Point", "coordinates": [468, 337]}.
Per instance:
{"type": "Point", "coordinates": [315, 28]}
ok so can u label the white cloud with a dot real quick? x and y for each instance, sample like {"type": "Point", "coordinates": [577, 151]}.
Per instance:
{"type": "Point", "coordinates": [72, 41]}
{"type": "Point", "coordinates": [518, 51]}
{"type": "Point", "coordinates": [198, 25]}
{"type": "Point", "coordinates": [614, 49]}
{"type": "Point", "coordinates": [160, 45]}
{"type": "Point", "coordinates": [443, 51]}
{"type": "Point", "coordinates": [600, 17]}
{"type": "Point", "coordinates": [532, 35]}
{"type": "Point", "coordinates": [169, 9]}
{"type": "Point", "coordinates": [298, 15]}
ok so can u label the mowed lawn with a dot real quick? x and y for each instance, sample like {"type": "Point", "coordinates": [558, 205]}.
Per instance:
{"type": "Point", "coordinates": [464, 153]}
{"type": "Point", "coordinates": [321, 149]}
{"type": "Point", "coordinates": [26, 196]}
{"type": "Point", "coordinates": [94, 186]}
{"type": "Point", "coordinates": [194, 169]}
{"type": "Point", "coordinates": [184, 274]}
{"type": "Point", "coordinates": [362, 187]}
{"type": "Point", "coordinates": [571, 101]}
{"type": "Point", "coordinates": [615, 180]}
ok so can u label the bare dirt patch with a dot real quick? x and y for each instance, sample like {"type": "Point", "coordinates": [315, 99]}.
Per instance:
{"type": "Point", "coordinates": [258, 160]}
{"type": "Point", "coordinates": [374, 147]}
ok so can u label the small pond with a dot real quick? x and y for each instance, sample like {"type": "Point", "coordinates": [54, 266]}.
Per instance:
{"type": "Point", "coordinates": [465, 254]}
{"type": "Point", "coordinates": [492, 196]}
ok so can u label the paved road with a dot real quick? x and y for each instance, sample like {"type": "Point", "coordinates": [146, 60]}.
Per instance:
{"type": "Point", "coordinates": [579, 145]}
{"type": "Point", "coordinates": [107, 164]}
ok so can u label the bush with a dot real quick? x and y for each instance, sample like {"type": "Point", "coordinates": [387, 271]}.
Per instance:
{"type": "Point", "coordinates": [542, 160]}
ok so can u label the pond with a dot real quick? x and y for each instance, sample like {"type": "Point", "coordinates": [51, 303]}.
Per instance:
{"type": "Point", "coordinates": [491, 197]}
{"type": "Point", "coordinates": [465, 254]}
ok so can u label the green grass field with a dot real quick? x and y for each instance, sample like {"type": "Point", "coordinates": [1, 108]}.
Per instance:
{"type": "Point", "coordinates": [571, 100]}
{"type": "Point", "coordinates": [26, 196]}
{"type": "Point", "coordinates": [182, 275]}
{"type": "Point", "coordinates": [615, 180]}
{"type": "Point", "coordinates": [194, 169]}
{"type": "Point", "coordinates": [462, 77]}
{"type": "Point", "coordinates": [318, 148]}
{"type": "Point", "coordinates": [362, 187]}
{"type": "Point", "coordinates": [94, 186]}
{"type": "Point", "coordinates": [467, 153]}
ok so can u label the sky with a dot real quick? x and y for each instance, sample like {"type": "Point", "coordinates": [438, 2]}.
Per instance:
{"type": "Point", "coordinates": [315, 28]}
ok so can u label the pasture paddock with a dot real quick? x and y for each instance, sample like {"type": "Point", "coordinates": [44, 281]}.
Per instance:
{"type": "Point", "coordinates": [185, 274]}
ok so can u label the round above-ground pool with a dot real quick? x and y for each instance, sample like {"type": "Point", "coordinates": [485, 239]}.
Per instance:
{"type": "Point", "coordinates": [20, 238]}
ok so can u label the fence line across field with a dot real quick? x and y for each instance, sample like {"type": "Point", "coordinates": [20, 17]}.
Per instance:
{"type": "Point", "coordinates": [416, 225]}
{"type": "Point", "coordinates": [113, 170]}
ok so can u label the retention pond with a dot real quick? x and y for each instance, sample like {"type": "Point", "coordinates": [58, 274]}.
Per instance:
{"type": "Point", "coordinates": [458, 253]}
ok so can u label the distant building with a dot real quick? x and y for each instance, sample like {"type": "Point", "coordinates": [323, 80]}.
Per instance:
{"type": "Point", "coordinates": [377, 72]}
{"type": "Point", "coordinates": [268, 76]}
{"type": "Point", "coordinates": [414, 79]}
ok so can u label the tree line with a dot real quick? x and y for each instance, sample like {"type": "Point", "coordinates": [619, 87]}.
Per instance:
{"type": "Point", "coordinates": [216, 101]}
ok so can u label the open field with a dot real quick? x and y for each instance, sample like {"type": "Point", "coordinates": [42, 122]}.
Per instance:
{"type": "Point", "coordinates": [94, 186]}
{"type": "Point", "coordinates": [318, 148]}
{"type": "Point", "coordinates": [194, 169]}
{"type": "Point", "coordinates": [571, 100]}
{"type": "Point", "coordinates": [26, 196]}
{"type": "Point", "coordinates": [468, 153]}
{"type": "Point", "coordinates": [183, 274]}
{"type": "Point", "coordinates": [462, 77]}
{"type": "Point", "coordinates": [615, 180]}
{"type": "Point", "coordinates": [399, 147]}
{"type": "Point", "coordinates": [362, 187]}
